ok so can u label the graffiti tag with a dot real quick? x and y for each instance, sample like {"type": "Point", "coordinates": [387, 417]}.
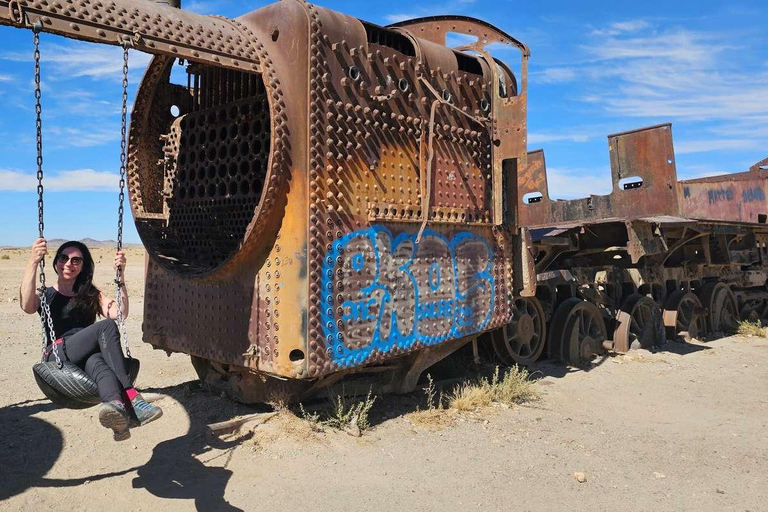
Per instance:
{"type": "Point", "coordinates": [383, 293]}
{"type": "Point", "coordinates": [719, 194]}
{"type": "Point", "coordinates": [753, 194]}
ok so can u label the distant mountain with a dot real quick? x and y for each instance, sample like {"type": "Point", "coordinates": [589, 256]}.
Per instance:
{"type": "Point", "coordinates": [90, 242]}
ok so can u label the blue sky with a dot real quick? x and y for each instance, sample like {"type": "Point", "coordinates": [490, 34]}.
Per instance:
{"type": "Point", "coordinates": [596, 68]}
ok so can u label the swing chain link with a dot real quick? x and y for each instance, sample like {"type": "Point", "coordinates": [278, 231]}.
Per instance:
{"type": "Point", "coordinates": [46, 321]}
{"type": "Point", "coordinates": [120, 210]}
{"type": "Point", "coordinates": [123, 146]}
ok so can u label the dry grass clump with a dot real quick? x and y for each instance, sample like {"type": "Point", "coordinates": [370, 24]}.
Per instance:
{"type": "Point", "coordinates": [747, 328]}
{"type": "Point", "coordinates": [5, 257]}
{"type": "Point", "coordinates": [435, 416]}
{"type": "Point", "coordinates": [342, 413]}
{"type": "Point", "coordinates": [514, 387]}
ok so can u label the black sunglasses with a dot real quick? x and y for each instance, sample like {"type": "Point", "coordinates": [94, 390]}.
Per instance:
{"type": "Point", "coordinates": [76, 260]}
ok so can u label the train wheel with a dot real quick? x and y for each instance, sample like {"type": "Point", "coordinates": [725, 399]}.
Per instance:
{"type": "Point", "coordinates": [522, 340]}
{"type": "Point", "coordinates": [723, 313]}
{"type": "Point", "coordinates": [577, 332]}
{"type": "Point", "coordinates": [639, 324]}
{"type": "Point", "coordinates": [750, 314]}
{"type": "Point", "coordinates": [684, 315]}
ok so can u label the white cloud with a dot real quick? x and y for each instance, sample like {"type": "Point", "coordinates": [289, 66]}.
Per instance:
{"type": "Point", "coordinates": [63, 181]}
{"type": "Point", "coordinates": [674, 75]}
{"type": "Point", "coordinates": [574, 183]}
{"type": "Point", "coordinates": [68, 136]}
{"type": "Point", "coordinates": [679, 46]}
{"type": "Point", "coordinates": [6, 78]}
{"type": "Point", "coordinates": [541, 138]}
{"type": "Point", "coordinates": [201, 7]}
{"type": "Point", "coordinates": [87, 60]}
{"type": "Point", "coordinates": [436, 9]}
{"type": "Point", "coordinates": [704, 146]}
{"type": "Point", "coordinates": [555, 75]}
{"type": "Point", "coordinates": [622, 27]}
{"type": "Point", "coordinates": [394, 18]}
{"type": "Point", "coordinates": [83, 103]}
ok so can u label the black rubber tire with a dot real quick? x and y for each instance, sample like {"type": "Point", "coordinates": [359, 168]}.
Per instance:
{"type": "Point", "coordinates": [70, 387]}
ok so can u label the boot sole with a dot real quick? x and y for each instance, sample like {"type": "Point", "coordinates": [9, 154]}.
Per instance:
{"type": "Point", "coordinates": [115, 420]}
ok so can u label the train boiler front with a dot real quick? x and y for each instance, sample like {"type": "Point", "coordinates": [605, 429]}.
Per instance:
{"type": "Point", "coordinates": [334, 206]}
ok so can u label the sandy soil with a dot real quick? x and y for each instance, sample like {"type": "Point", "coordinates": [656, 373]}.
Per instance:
{"type": "Point", "coordinates": [681, 429]}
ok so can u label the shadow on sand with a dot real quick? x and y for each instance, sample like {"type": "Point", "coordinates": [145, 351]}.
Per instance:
{"type": "Point", "coordinates": [31, 446]}
{"type": "Point", "coordinates": [175, 470]}
{"type": "Point", "coordinates": [178, 468]}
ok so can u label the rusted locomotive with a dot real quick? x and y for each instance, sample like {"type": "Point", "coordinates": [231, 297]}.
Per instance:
{"type": "Point", "coordinates": [320, 195]}
{"type": "Point", "coordinates": [656, 259]}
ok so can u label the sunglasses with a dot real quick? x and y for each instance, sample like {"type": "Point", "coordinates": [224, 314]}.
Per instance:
{"type": "Point", "coordinates": [76, 260]}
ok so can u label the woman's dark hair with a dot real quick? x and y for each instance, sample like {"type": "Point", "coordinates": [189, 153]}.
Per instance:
{"type": "Point", "coordinates": [86, 300]}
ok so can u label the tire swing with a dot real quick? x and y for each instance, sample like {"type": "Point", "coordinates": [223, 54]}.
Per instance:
{"type": "Point", "coordinates": [63, 382]}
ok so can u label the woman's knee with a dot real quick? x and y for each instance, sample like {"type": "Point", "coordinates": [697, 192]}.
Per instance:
{"type": "Point", "coordinates": [108, 326]}
{"type": "Point", "coordinates": [108, 331]}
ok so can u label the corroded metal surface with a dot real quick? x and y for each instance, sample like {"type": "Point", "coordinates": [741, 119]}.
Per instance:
{"type": "Point", "coordinates": [319, 193]}
{"type": "Point", "coordinates": [645, 186]}
{"type": "Point", "coordinates": [643, 176]}
{"type": "Point", "coordinates": [739, 197]}
{"type": "Point", "coordinates": [151, 27]}
{"type": "Point", "coordinates": [651, 242]}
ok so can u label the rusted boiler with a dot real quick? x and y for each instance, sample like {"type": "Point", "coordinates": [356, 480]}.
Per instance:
{"type": "Point", "coordinates": [318, 195]}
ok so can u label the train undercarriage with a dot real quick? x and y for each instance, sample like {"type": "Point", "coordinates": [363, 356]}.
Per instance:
{"type": "Point", "coordinates": [657, 259]}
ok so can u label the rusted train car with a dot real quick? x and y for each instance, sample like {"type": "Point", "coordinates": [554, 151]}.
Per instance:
{"type": "Point", "coordinates": [655, 259]}
{"type": "Point", "coordinates": [319, 195]}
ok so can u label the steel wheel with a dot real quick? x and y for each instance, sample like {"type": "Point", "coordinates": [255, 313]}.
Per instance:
{"type": "Point", "coordinates": [750, 314]}
{"type": "Point", "coordinates": [723, 314]}
{"type": "Point", "coordinates": [522, 340]}
{"type": "Point", "coordinates": [639, 324]}
{"type": "Point", "coordinates": [577, 332]}
{"type": "Point", "coordinates": [684, 316]}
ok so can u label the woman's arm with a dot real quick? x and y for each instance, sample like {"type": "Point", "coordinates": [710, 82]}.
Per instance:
{"type": "Point", "coordinates": [109, 306]}
{"type": "Point", "coordinates": [27, 292]}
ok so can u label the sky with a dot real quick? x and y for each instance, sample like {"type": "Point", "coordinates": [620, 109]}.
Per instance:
{"type": "Point", "coordinates": [596, 68]}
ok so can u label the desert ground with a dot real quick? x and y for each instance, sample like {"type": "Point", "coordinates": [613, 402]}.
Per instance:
{"type": "Point", "coordinates": [684, 428]}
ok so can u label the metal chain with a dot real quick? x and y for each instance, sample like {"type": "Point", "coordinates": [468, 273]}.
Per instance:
{"type": "Point", "coordinates": [123, 158]}
{"type": "Point", "coordinates": [45, 316]}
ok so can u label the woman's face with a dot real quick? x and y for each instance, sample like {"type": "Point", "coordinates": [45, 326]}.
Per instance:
{"type": "Point", "coordinates": [70, 263]}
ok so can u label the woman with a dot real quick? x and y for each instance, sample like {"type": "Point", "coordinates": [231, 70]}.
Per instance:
{"type": "Point", "coordinates": [94, 346]}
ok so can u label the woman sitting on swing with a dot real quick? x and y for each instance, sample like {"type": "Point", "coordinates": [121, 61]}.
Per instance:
{"type": "Point", "coordinates": [94, 346]}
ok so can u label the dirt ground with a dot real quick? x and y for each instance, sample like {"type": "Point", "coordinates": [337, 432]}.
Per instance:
{"type": "Point", "coordinates": [685, 428]}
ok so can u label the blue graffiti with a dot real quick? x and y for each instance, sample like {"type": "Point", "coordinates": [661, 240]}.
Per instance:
{"type": "Point", "coordinates": [715, 195]}
{"type": "Point", "coordinates": [753, 194]}
{"type": "Point", "coordinates": [386, 293]}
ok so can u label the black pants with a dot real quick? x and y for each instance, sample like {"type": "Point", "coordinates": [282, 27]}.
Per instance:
{"type": "Point", "coordinates": [96, 349]}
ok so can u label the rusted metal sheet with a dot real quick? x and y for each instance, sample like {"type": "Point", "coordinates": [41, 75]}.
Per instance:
{"type": "Point", "coordinates": [642, 172]}
{"type": "Point", "coordinates": [739, 197]}
{"type": "Point", "coordinates": [322, 193]}
{"type": "Point", "coordinates": [762, 165]}
{"type": "Point", "coordinates": [149, 26]}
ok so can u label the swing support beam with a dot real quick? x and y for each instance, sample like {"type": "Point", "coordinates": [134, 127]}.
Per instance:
{"type": "Point", "coordinates": [149, 27]}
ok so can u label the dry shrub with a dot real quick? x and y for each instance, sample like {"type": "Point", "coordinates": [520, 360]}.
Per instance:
{"type": "Point", "coordinates": [752, 329]}
{"type": "Point", "coordinates": [514, 387]}
{"type": "Point", "coordinates": [346, 413]}
{"type": "Point", "coordinates": [342, 413]}
{"type": "Point", "coordinates": [435, 416]}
